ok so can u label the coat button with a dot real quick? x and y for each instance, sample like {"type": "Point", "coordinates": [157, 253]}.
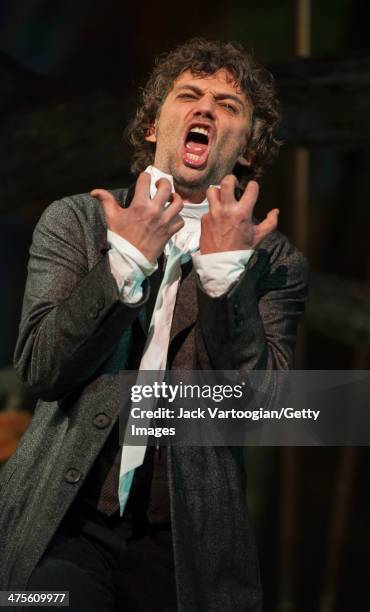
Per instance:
{"type": "Point", "coordinates": [239, 320]}
{"type": "Point", "coordinates": [93, 312]}
{"type": "Point", "coordinates": [236, 308]}
{"type": "Point", "coordinates": [72, 475]}
{"type": "Point", "coordinates": [102, 420]}
{"type": "Point", "coordinates": [100, 302]}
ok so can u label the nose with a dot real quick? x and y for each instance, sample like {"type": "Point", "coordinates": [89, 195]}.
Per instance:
{"type": "Point", "coordinates": [205, 107]}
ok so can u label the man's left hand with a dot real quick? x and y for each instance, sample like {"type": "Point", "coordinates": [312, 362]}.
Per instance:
{"type": "Point", "coordinates": [228, 226]}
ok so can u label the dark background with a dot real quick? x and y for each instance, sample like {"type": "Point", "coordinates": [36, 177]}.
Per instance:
{"type": "Point", "coordinates": [69, 78]}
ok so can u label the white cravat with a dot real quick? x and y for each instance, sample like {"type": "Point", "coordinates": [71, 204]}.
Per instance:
{"type": "Point", "coordinates": [178, 251]}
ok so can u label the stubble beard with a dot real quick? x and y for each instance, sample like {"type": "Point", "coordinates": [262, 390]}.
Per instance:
{"type": "Point", "coordinates": [193, 184]}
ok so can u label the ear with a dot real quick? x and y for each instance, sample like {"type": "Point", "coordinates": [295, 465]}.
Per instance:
{"type": "Point", "coordinates": [151, 133]}
{"type": "Point", "coordinates": [245, 159]}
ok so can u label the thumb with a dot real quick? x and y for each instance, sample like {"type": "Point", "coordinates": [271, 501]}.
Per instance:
{"type": "Point", "coordinates": [105, 198]}
{"type": "Point", "coordinates": [273, 216]}
{"type": "Point", "coordinates": [268, 225]}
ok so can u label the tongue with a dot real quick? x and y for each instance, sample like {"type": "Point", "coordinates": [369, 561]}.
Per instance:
{"type": "Point", "coordinates": [196, 148]}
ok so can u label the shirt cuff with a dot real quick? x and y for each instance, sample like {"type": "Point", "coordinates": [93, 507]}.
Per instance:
{"type": "Point", "coordinates": [218, 271]}
{"type": "Point", "coordinates": [129, 267]}
{"type": "Point", "coordinates": [125, 248]}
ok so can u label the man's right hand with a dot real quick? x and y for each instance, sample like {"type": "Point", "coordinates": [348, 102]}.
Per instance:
{"type": "Point", "coordinates": [146, 223]}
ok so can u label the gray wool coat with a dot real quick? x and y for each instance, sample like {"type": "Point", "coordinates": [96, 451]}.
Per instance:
{"type": "Point", "coordinates": [72, 322]}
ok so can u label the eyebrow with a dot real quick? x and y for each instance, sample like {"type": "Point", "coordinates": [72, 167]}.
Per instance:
{"type": "Point", "coordinates": [219, 96]}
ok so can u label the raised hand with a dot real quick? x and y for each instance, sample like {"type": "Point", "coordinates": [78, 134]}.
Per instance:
{"type": "Point", "coordinates": [228, 226]}
{"type": "Point", "coordinates": [146, 223]}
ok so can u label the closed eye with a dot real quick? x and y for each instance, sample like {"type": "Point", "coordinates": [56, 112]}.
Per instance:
{"type": "Point", "coordinates": [229, 107]}
{"type": "Point", "coordinates": [188, 96]}
{"type": "Point", "coordinates": [232, 108]}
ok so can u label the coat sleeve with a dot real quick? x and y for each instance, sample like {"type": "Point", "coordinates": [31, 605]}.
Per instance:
{"type": "Point", "coordinates": [256, 320]}
{"type": "Point", "coordinates": [72, 316]}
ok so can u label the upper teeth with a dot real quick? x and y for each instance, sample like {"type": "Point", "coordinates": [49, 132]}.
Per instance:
{"type": "Point", "coordinates": [200, 130]}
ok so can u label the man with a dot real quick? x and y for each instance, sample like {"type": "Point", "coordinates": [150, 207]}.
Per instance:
{"type": "Point", "coordinates": [105, 292]}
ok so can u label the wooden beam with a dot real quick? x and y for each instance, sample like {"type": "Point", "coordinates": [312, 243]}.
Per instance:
{"type": "Point", "coordinates": [339, 309]}
{"type": "Point", "coordinates": [325, 101]}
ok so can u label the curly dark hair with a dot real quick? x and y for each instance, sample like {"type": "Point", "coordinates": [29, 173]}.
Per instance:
{"type": "Point", "coordinates": [204, 57]}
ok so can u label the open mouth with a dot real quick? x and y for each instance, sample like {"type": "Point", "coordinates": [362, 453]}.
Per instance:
{"type": "Point", "coordinates": [197, 145]}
